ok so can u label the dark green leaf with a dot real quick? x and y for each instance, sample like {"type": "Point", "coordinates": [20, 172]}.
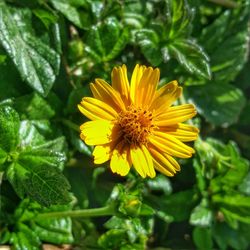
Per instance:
{"type": "Point", "coordinates": [33, 107]}
{"type": "Point", "coordinates": [54, 230]}
{"type": "Point", "coordinates": [101, 46]}
{"type": "Point", "coordinates": [45, 16]}
{"type": "Point", "coordinates": [148, 40]}
{"type": "Point", "coordinates": [37, 63]}
{"type": "Point", "coordinates": [191, 56]}
{"type": "Point", "coordinates": [228, 33]}
{"type": "Point", "coordinates": [180, 16]}
{"type": "Point", "coordinates": [161, 184]}
{"type": "Point", "coordinates": [9, 125]}
{"type": "Point", "coordinates": [221, 105]}
{"type": "Point", "coordinates": [203, 238]}
{"type": "Point", "coordinates": [71, 12]}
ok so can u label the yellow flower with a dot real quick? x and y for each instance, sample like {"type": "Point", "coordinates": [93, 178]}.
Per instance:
{"type": "Point", "coordinates": [135, 124]}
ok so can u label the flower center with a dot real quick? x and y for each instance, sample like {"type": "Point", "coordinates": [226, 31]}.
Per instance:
{"type": "Point", "coordinates": [136, 125]}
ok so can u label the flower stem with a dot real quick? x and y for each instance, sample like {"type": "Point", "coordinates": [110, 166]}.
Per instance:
{"type": "Point", "coordinates": [83, 213]}
{"type": "Point", "coordinates": [70, 124]}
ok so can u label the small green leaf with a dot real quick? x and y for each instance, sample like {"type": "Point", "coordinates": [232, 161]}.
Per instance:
{"type": "Point", "coordinates": [203, 238]}
{"type": "Point", "coordinates": [221, 105]}
{"type": "Point", "coordinates": [180, 16]}
{"type": "Point", "coordinates": [101, 46]}
{"type": "Point", "coordinates": [149, 41]}
{"type": "Point", "coordinates": [201, 215]}
{"type": "Point", "coordinates": [160, 184]}
{"type": "Point", "coordinates": [9, 126]}
{"type": "Point", "coordinates": [37, 63]}
{"type": "Point", "coordinates": [191, 56]}
{"type": "Point", "coordinates": [3, 156]}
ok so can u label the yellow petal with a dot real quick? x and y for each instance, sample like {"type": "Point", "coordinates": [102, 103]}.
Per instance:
{"type": "Point", "coordinates": [147, 87]}
{"type": "Point", "coordinates": [181, 131]}
{"type": "Point", "coordinates": [163, 162]}
{"type": "Point", "coordinates": [95, 109]}
{"type": "Point", "coordinates": [102, 153]}
{"type": "Point", "coordinates": [97, 132]}
{"type": "Point", "coordinates": [135, 80]}
{"type": "Point", "coordinates": [165, 96]}
{"type": "Point", "coordinates": [169, 144]}
{"type": "Point", "coordinates": [120, 163]}
{"type": "Point", "coordinates": [176, 114]}
{"type": "Point", "coordinates": [120, 82]}
{"type": "Point", "coordinates": [142, 161]}
{"type": "Point", "coordinates": [104, 92]}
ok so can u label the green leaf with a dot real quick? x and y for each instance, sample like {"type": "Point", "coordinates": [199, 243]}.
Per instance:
{"type": "Point", "coordinates": [72, 13]}
{"type": "Point", "coordinates": [37, 63]}
{"type": "Point", "coordinates": [46, 17]}
{"type": "Point", "coordinates": [160, 184]}
{"type": "Point", "coordinates": [180, 16]}
{"type": "Point", "coordinates": [100, 45]}
{"type": "Point", "coordinates": [25, 238]}
{"type": "Point", "coordinates": [179, 205]}
{"type": "Point", "coordinates": [203, 238]}
{"type": "Point", "coordinates": [227, 237]}
{"type": "Point", "coordinates": [149, 41]}
{"type": "Point", "coordinates": [244, 187]}
{"type": "Point", "coordinates": [9, 125]}
{"type": "Point", "coordinates": [54, 230]}
{"type": "Point", "coordinates": [191, 56]}
{"type": "Point", "coordinates": [201, 215]}
{"type": "Point", "coordinates": [221, 105]}
{"type": "Point", "coordinates": [228, 33]}
{"type": "Point", "coordinates": [3, 156]}
{"type": "Point", "coordinates": [43, 184]}
{"type": "Point", "coordinates": [33, 107]}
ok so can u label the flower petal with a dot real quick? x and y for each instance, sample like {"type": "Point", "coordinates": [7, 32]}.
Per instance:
{"type": "Point", "coordinates": [163, 162]}
{"type": "Point", "coordinates": [104, 92]}
{"type": "Point", "coordinates": [120, 162]}
{"type": "Point", "coordinates": [165, 96]}
{"type": "Point", "coordinates": [102, 153]}
{"type": "Point", "coordinates": [176, 114]}
{"type": "Point", "coordinates": [120, 82]}
{"type": "Point", "coordinates": [95, 109]}
{"type": "Point", "coordinates": [97, 132]}
{"type": "Point", "coordinates": [181, 131]}
{"type": "Point", "coordinates": [142, 161]}
{"type": "Point", "coordinates": [170, 145]}
{"type": "Point", "coordinates": [135, 80]}
{"type": "Point", "coordinates": [147, 86]}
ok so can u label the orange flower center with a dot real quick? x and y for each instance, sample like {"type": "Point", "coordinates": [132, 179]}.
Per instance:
{"type": "Point", "coordinates": [136, 125]}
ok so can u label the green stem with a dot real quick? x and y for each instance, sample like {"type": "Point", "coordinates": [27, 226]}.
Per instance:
{"type": "Point", "coordinates": [83, 213]}
{"type": "Point", "coordinates": [70, 124]}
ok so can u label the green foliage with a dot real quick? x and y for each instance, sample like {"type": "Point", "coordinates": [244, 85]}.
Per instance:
{"type": "Point", "coordinates": [50, 50]}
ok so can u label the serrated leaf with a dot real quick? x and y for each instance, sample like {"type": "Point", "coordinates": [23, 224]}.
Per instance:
{"type": "Point", "coordinates": [191, 56]}
{"type": "Point", "coordinates": [149, 41]}
{"type": "Point", "coordinates": [9, 125]}
{"type": "Point", "coordinates": [45, 185]}
{"type": "Point", "coordinates": [37, 63]}
{"type": "Point", "coordinates": [221, 105]}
